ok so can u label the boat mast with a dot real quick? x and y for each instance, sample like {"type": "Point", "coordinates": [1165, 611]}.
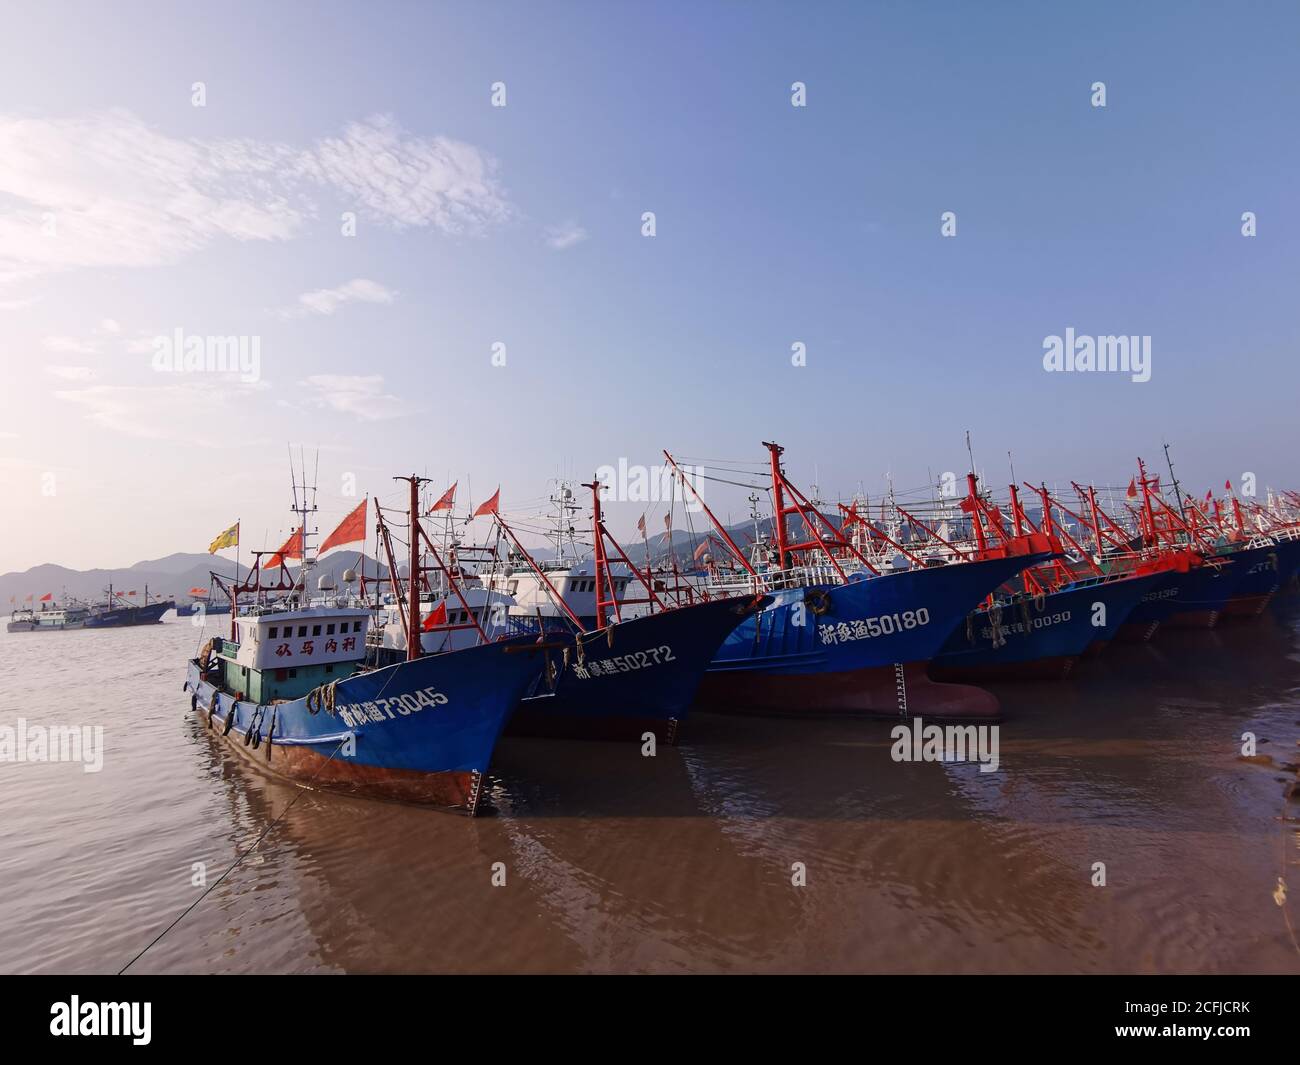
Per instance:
{"type": "Point", "coordinates": [413, 600]}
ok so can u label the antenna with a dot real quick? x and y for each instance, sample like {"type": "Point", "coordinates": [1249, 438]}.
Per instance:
{"type": "Point", "coordinates": [1178, 492]}
{"type": "Point", "coordinates": [970, 452]}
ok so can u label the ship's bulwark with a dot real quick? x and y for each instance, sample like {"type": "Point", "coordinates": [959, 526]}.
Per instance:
{"type": "Point", "coordinates": [420, 731]}
{"type": "Point", "coordinates": [638, 676]}
{"type": "Point", "coordinates": [1041, 639]}
{"type": "Point", "coordinates": [857, 648]}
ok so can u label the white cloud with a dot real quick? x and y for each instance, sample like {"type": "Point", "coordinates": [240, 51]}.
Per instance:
{"type": "Point", "coordinates": [328, 300]}
{"type": "Point", "coordinates": [71, 373]}
{"type": "Point", "coordinates": [158, 412]}
{"type": "Point", "coordinates": [109, 326]}
{"type": "Point", "coordinates": [565, 236]}
{"type": "Point", "coordinates": [110, 190]}
{"type": "Point", "coordinates": [70, 346]}
{"type": "Point", "coordinates": [361, 396]}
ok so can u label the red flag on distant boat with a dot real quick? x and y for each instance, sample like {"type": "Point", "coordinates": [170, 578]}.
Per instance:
{"type": "Point", "coordinates": [292, 548]}
{"type": "Point", "coordinates": [445, 501]}
{"type": "Point", "coordinates": [704, 546]}
{"type": "Point", "coordinates": [1209, 494]}
{"type": "Point", "coordinates": [490, 507]}
{"type": "Point", "coordinates": [46, 597]}
{"type": "Point", "coordinates": [130, 593]}
{"type": "Point", "coordinates": [640, 526]}
{"type": "Point", "coordinates": [437, 616]}
{"type": "Point", "coordinates": [350, 530]}
{"type": "Point", "coordinates": [1227, 486]}
{"type": "Point", "coordinates": [668, 522]}
{"type": "Point", "coordinates": [1133, 489]}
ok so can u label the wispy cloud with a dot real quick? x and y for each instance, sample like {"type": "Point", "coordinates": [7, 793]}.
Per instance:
{"type": "Point", "coordinates": [362, 396]}
{"type": "Point", "coordinates": [70, 345]}
{"type": "Point", "coordinates": [71, 373]}
{"type": "Point", "coordinates": [565, 236]}
{"type": "Point", "coordinates": [329, 300]}
{"type": "Point", "coordinates": [156, 412]}
{"type": "Point", "coordinates": [110, 190]}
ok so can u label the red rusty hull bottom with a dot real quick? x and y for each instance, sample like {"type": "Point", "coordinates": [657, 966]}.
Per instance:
{"type": "Point", "coordinates": [1137, 631]}
{"type": "Point", "coordinates": [1057, 668]}
{"type": "Point", "coordinates": [1247, 606]}
{"type": "Point", "coordinates": [307, 767]}
{"type": "Point", "coordinates": [890, 691]}
{"type": "Point", "coordinates": [1193, 619]}
{"type": "Point", "coordinates": [543, 724]}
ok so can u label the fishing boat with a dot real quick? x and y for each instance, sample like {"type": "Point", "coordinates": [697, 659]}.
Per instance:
{"type": "Point", "coordinates": [840, 635]}
{"type": "Point", "coordinates": [23, 620]}
{"type": "Point", "coordinates": [116, 611]}
{"type": "Point", "coordinates": [633, 666]}
{"type": "Point", "coordinates": [292, 688]}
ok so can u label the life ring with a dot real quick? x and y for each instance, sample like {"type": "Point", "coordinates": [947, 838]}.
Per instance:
{"type": "Point", "coordinates": [818, 601]}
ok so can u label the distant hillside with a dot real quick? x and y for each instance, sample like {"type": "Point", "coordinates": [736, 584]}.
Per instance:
{"type": "Point", "coordinates": [172, 576]}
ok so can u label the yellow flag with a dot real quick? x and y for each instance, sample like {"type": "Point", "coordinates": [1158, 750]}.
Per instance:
{"type": "Point", "coordinates": [229, 538]}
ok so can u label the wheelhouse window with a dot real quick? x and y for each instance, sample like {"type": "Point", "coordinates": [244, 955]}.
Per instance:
{"type": "Point", "coordinates": [274, 630]}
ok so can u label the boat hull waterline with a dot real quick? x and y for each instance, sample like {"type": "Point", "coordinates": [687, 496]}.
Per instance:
{"type": "Point", "coordinates": [857, 648]}
{"type": "Point", "coordinates": [419, 731]}
{"type": "Point", "coordinates": [636, 677]}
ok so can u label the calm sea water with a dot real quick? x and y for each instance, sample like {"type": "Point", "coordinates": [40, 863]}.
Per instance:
{"type": "Point", "coordinates": [683, 862]}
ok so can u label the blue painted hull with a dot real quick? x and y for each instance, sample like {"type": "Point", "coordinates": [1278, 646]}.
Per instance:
{"type": "Point", "coordinates": [121, 616]}
{"type": "Point", "coordinates": [186, 610]}
{"type": "Point", "coordinates": [1203, 595]}
{"type": "Point", "coordinates": [1046, 642]}
{"type": "Point", "coordinates": [420, 731]}
{"type": "Point", "coordinates": [635, 677]}
{"type": "Point", "coordinates": [865, 654]}
{"type": "Point", "coordinates": [1258, 581]}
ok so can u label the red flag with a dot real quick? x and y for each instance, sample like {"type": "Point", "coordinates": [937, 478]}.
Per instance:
{"type": "Point", "coordinates": [437, 616]}
{"type": "Point", "coordinates": [1133, 489]}
{"type": "Point", "coordinates": [46, 597]}
{"type": "Point", "coordinates": [198, 591]}
{"type": "Point", "coordinates": [1227, 486]}
{"type": "Point", "coordinates": [292, 548]}
{"type": "Point", "coordinates": [704, 546]}
{"type": "Point", "coordinates": [966, 504]}
{"type": "Point", "coordinates": [445, 501]}
{"type": "Point", "coordinates": [130, 593]}
{"type": "Point", "coordinates": [1209, 494]}
{"type": "Point", "coordinates": [640, 526]}
{"type": "Point", "coordinates": [490, 507]}
{"type": "Point", "coordinates": [668, 522]}
{"type": "Point", "coordinates": [350, 530]}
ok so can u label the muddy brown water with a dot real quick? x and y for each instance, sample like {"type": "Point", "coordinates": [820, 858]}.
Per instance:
{"type": "Point", "coordinates": [684, 862]}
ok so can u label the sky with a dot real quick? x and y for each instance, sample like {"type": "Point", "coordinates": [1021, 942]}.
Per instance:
{"type": "Point", "coordinates": [128, 213]}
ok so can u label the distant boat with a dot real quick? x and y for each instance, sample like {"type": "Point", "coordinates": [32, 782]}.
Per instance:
{"type": "Point", "coordinates": [117, 612]}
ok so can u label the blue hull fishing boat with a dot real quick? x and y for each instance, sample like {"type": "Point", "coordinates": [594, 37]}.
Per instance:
{"type": "Point", "coordinates": [626, 679]}
{"type": "Point", "coordinates": [839, 635]}
{"type": "Point", "coordinates": [631, 666]}
{"type": "Point", "coordinates": [293, 687]}
{"type": "Point", "coordinates": [418, 731]}
{"type": "Point", "coordinates": [1041, 637]}
{"type": "Point", "coordinates": [859, 647]}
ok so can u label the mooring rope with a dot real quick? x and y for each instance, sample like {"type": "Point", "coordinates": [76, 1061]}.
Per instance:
{"type": "Point", "coordinates": [265, 832]}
